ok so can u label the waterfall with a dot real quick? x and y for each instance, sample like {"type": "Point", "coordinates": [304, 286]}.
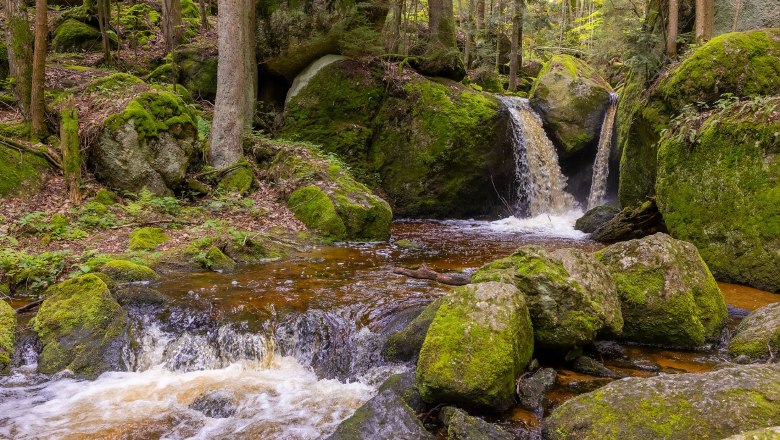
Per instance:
{"type": "Point", "coordinates": [540, 183]}
{"type": "Point", "coordinates": [598, 187]}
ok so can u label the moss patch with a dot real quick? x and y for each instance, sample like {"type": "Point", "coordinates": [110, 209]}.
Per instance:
{"type": "Point", "coordinates": [22, 173]}
{"type": "Point", "coordinates": [7, 334]}
{"type": "Point", "coordinates": [147, 239]}
{"type": "Point", "coordinates": [124, 271]}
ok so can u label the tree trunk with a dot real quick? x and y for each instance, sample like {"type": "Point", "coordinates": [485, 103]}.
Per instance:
{"type": "Point", "coordinates": [103, 12]}
{"type": "Point", "coordinates": [37, 104]}
{"type": "Point", "coordinates": [737, 12]}
{"type": "Point", "coordinates": [236, 84]}
{"type": "Point", "coordinates": [204, 18]}
{"type": "Point", "coordinates": [499, 32]}
{"type": "Point", "coordinates": [705, 16]}
{"type": "Point", "coordinates": [516, 56]}
{"type": "Point", "coordinates": [19, 41]}
{"type": "Point", "coordinates": [396, 30]}
{"type": "Point", "coordinates": [441, 22]}
{"type": "Point", "coordinates": [468, 47]}
{"type": "Point", "coordinates": [71, 151]}
{"type": "Point", "coordinates": [673, 24]}
{"type": "Point", "coordinates": [172, 23]}
{"type": "Point", "coordinates": [480, 15]}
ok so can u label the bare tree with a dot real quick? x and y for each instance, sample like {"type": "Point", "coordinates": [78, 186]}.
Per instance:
{"type": "Point", "coordinates": [441, 22]}
{"type": "Point", "coordinates": [204, 18]}
{"type": "Point", "coordinates": [37, 104]}
{"type": "Point", "coordinates": [737, 12]}
{"type": "Point", "coordinates": [672, 25]}
{"type": "Point", "coordinates": [516, 53]}
{"type": "Point", "coordinates": [19, 40]}
{"type": "Point", "coordinates": [705, 20]}
{"type": "Point", "coordinates": [172, 23]}
{"type": "Point", "coordinates": [468, 46]}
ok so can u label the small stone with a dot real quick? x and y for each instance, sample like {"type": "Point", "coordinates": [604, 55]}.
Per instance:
{"type": "Point", "coordinates": [531, 391]}
{"type": "Point", "coordinates": [217, 404]}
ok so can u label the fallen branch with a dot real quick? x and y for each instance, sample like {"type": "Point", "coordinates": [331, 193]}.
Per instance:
{"type": "Point", "coordinates": [426, 273]}
{"type": "Point", "coordinates": [153, 222]}
{"type": "Point", "coordinates": [51, 156]}
{"type": "Point", "coordinates": [28, 307]}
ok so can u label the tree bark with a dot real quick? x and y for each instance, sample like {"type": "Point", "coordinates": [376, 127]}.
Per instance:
{"type": "Point", "coordinates": [172, 23]}
{"type": "Point", "coordinates": [37, 104]}
{"type": "Point", "coordinates": [71, 151]}
{"type": "Point", "coordinates": [204, 18]}
{"type": "Point", "coordinates": [103, 12]}
{"type": "Point", "coordinates": [499, 32]}
{"type": "Point", "coordinates": [19, 40]}
{"type": "Point", "coordinates": [480, 14]}
{"type": "Point", "coordinates": [468, 47]}
{"type": "Point", "coordinates": [516, 54]}
{"type": "Point", "coordinates": [236, 82]}
{"type": "Point", "coordinates": [671, 31]}
{"type": "Point", "coordinates": [396, 29]}
{"type": "Point", "coordinates": [705, 17]}
{"type": "Point", "coordinates": [441, 22]}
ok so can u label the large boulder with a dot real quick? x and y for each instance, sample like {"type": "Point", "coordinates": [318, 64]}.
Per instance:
{"type": "Point", "coordinates": [477, 346]}
{"type": "Point", "coordinates": [149, 144]}
{"type": "Point", "coordinates": [7, 334]}
{"type": "Point", "coordinates": [322, 194]}
{"type": "Point", "coordinates": [570, 295]}
{"type": "Point", "coordinates": [718, 187]}
{"type": "Point", "coordinates": [680, 406]}
{"type": "Point", "coordinates": [73, 35]}
{"type": "Point", "coordinates": [571, 97]}
{"type": "Point", "coordinates": [632, 222]}
{"type": "Point", "coordinates": [749, 15]}
{"type": "Point", "coordinates": [435, 147]}
{"type": "Point", "coordinates": [81, 328]}
{"type": "Point", "coordinates": [667, 294]}
{"type": "Point", "coordinates": [23, 173]}
{"type": "Point", "coordinates": [758, 335]}
{"type": "Point", "coordinates": [405, 345]}
{"type": "Point", "coordinates": [740, 64]}
{"type": "Point", "coordinates": [197, 69]}
{"type": "Point", "coordinates": [384, 417]}
{"type": "Point", "coordinates": [461, 426]}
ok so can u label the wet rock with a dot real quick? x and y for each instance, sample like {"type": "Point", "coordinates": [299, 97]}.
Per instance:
{"type": "Point", "coordinates": [217, 404]}
{"type": "Point", "coordinates": [680, 406]}
{"type": "Point", "coordinates": [667, 294]}
{"type": "Point", "coordinates": [633, 222]}
{"type": "Point", "coordinates": [123, 271]}
{"type": "Point", "coordinates": [406, 344]}
{"type": "Point", "coordinates": [772, 433]}
{"type": "Point", "coordinates": [610, 349]}
{"type": "Point", "coordinates": [7, 334]}
{"type": "Point", "coordinates": [590, 366]}
{"type": "Point", "coordinates": [531, 390]}
{"type": "Point", "coordinates": [595, 218]}
{"type": "Point", "coordinates": [405, 386]}
{"type": "Point", "coordinates": [461, 426]}
{"type": "Point", "coordinates": [385, 417]}
{"type": "Point", "coordinates": [479, 342]}
{"type": "Point", "coordinates": [570, 295]}
{"type": "Point", "coordinates": [137, 295]}
{"type": "Point", "coordinates": [571, 97]}
{"type": "Point", "coordinates": [216, 260]}
{"type": "Point", "coordinates": [758, 335]}
{"type": "Point", "coordinates": [81, 328]}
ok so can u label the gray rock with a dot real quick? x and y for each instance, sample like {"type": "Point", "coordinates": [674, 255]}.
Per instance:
{"type": "Point", "coordinates": [217, 404]}
{"type": "Point", "coordinates": [406, 344]}
{"type": "Point", "coordinates": [758, 335]}
{"type": "Point", "coordinates": [632, 222]}
{"type": "Point", "coordinates": [595, 218]}
{"type": "Point", "coordinates": [405, 386]}
{"type": "Point", "coordinates": [531, 390]}
{"type": "Point", "coordinates": [385, 417]}
{"type": "Point", "coordinates": [461, 426]}
{"type": "Point", "coordinates": [772, 433]}
{"type": "Point", "coordinates": [588, 365]}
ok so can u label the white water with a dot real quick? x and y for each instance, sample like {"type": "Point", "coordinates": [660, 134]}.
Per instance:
{"type": "Point", "coordinates": [308, 73]}
{"type": "Point", "coordinates": [598, 188]}
{"type": "Point", "coordinates": [541, 186]}
{"type": "Point", "coordinates": [544, 225]}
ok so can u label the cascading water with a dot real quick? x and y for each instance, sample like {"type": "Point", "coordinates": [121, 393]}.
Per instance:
{"type": "Point", "coordinates": [540, 183]}
{"type": "Point", "coordinates": [598, 188]}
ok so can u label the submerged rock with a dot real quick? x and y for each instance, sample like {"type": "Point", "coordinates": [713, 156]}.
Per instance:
{"type": "Point", "coordinates": [758, 335]}
{"type": "Point", "coordinates": [632, 222]}
{"type": "Point", "coordinates": [680, 406]}
{"type": "Point", "coordinates": [571, 97]}
{"type": "Point", "coordinates": [570, 295]}
{"type": "Point", "coordinates": [81, 328]}
{"type": "Point", "coordinates": [461, 426]}
{"type": "Point", "coordinates": [592, 367]}
{"type": "Point", "coordinates": [531, 390]}
{"type": "Point", "coordinates": [595, 218]}
{"type": "Point", "coordinates": [719, 187]}
{"type": "Point", "coordinates": [667, 294]}
{"type": "Point", "coordinates": [217, 404]}
{"type": "Point", "coordinates": [479, 342]}
{"type": "Point", "coordinates": [406, 344]}
{"type": "Point", "coordinates": [385, 417]}
{"type": "Point", "coordinates": [7, 334]}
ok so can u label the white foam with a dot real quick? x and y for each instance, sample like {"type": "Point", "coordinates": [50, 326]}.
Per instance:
{"type": "Point", "coordinates": [546, 225]}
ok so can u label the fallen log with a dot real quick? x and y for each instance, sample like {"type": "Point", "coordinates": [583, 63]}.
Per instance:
{"type": "Point", "coordinates": [28, 307]}
{"type": "Point", "coordinates": [426, 273]}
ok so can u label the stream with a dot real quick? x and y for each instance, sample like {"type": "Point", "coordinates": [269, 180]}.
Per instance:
{"type": "Point", "coordinates": [295, 344]}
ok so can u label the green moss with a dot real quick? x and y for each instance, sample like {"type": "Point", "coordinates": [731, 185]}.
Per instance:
{"type": "Point", "coordinates": [7, 334]}
{"type": "Point", "coordinates": [313, 207]}
{"type": "Point", "coordinates": [105, 197]}
{"type": "Point", "coordinates": [405, 344]}
{"type": "Point", "coordinates": [23, 173]}
{"type": "Point", "coordinates": [116, 81]}
{"type": "Point", "coordinates": [72, 35]}
{"type": "Point", "coordinates": [123, 271]}
{"type": "Point", "coordinates": [239, 181]}
{"type": "Point", "coordinates": [214, 259]}
{"type": "Point", "coordinates": [152, 113]}
{"type": "Point", "coordinates": [147, 239]}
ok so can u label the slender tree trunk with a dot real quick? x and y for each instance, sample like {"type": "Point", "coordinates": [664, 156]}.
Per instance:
{"type": "Point", "coordinates": [469, 44]}
{"type": "Point", "coordinates": [103, 12]}
{"type": "Point", "coordinates": [71, 151]}
{"type": "Point", "coordinates": [396, 30]}
{"type": "Point", "coordinates": [204, 18]}
{"type": "Point", "coordinates": [737, 12]}
{"type": "Point", "coordinates": [441, 22]}
{"type": "Point", "coordinates": [563, 20]}
{"type": "Point", "coordinates": [705, 16]}
{"type": "Point", "coordinates": [516, 56]}
{"type": "Point", "coordinates": [480, 15]}
{"type": "Point", "coordinates": [37, 104]}
{"type": "Point", "coordinates": [236, 84]}
{"type": "Point", "coordinates": [172, 23]}
{"type": "Point", "coordinates": [19, 41]}
{"type": "Point", "coordinates": [499, 32]}
{"type": "Point", "coordinates": [673, 24]}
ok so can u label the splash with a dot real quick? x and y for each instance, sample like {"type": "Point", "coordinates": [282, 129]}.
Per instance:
{"type": "Point", "coordinates": [598, 188]}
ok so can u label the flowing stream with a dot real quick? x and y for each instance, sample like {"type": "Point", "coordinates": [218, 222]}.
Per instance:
{"type": "Point", "coordinates": [598, 188]}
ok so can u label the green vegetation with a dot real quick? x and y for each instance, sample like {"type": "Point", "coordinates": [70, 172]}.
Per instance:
{"type": "Point", "coordinates": [124, 271]}
{"type": "Point", "coordinates": [147, 239]}
{"type": "Point", "coordinates": [7, 334]}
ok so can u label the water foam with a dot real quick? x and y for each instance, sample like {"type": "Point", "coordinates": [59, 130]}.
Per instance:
{"type": "Point", "coordinates": [545, 225]}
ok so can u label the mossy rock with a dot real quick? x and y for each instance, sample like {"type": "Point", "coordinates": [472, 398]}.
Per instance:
{"type": "Point", "coordinates": [405, 345]}
{"type": "Point", "coordinates": [197, 69]}
{"type": "Point", "coordinates": [238, 181]}
{"type": "Point", "coordinates": [718, 187]}
{"type": "Point", "coordinates": [216, 260]}
{"type": "Point", "coordinates": [570, 295]}
{"type": "Point", "coordinates": [147, 239]}
{"type": "Point", "coordinates": [73, 35]}
{"type": "Point", "coordinates": [105, 197]}
{"type": "Point", "coordinates": [123, 271]}
{"type": "Point", "coordinates": [81, 328]}
{"type": "Point", "coordinates": [460, 425]}
{"type": "Point", "coordinates": [758, 335]}
{"type": "Point", "coordinates": [7, 334]}
{"type": "Point", "coordinates": [595, 218]}
{"type": "Point", "coordinates": [23, 173]}
{"type": "Point", "coordinates": [772, 433]}
{"type": "Point", "coordinates": [711, 405]}
{"type": "Point", "coordinates": [571, 97]}
{"type": "Point", "coordinates": [383, 417]}
{"type": "Point", "coordinates": [478, 344]}
{"type": "Point", "coordinates": [668, 295]}
{"type": "Point", "coordinates": [740, 64]}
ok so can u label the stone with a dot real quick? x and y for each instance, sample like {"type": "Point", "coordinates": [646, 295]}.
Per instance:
{"type": "Point", "coordinates": [595, 218]}
{"type": "Point", "coordinates": [217, 404]}
{"type": "Point", "coordinates": [384, 417]}
{"type": "Point", "coordinates": [632, 222]}
{"type": "Point", "coordinates": [758, 335]}
{"type": "Point", "coordinates": [405, 345]}
{"type": "Point", "coordinates": [123, 271]}
{"type": "Point", "coordinates": [588, 365]}
{"type": "Point", "coordinates": [772, 433]}
{"type": "Point", "coordinates": [531, 390]}
{"type": "Point", "coordinates": [461, 426]}
{"type": "Point", "coordinates": [7, 334]}
{"type": "Point", "coordinates": [405, 386]}
{"type": "Point", "coordinates": [23, 173]}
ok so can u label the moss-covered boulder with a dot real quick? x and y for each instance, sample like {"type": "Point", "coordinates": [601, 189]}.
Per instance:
{"type": "Point", "coordinates": [758, 335]}
{"type": "Point", "coordinates": [679, 406]}
{"type": "Point", "coordinates": [197, 69]}
{"type": "Point", "coordinates": [718, 187]}
{"type": "Point", "coordinates": [739, 64]}
{"type": "Point", "coordinates": [147, 239]}
{"type": "Point", "coordinates": [22, 173]}
{"type": "Point", "coordinates": [216, 260]}
{"type": "Point", "coordinates": [405, 345]}
{"type": "Point", "coordinates": [81, 328]}
{"type": "Point", "coordinates": [149, 144]}
{"type": "Point", "coordinates": [73, 35]}
{"type": "Point", "coordinates": [668, 295]}
{"type": "Point", "coordinates": [123, 271]}
{"type": "Point", "coordinates": [570, 295]}
{"type": "Point", "coordinates": [478, 344]}
{"type": "Point", "coordinates": [386, 416]}
{"type": "Point", "coordinates": [595, 218]}
{"type": "Point", "coordinates": [461, 426]}
{"type": "Point", "coordinates": [7, 334]}
{"type": "Point", "coordinates": [324, 196]}
{"type": "Point", "coordinates": [571, 97]}
{"type": "Point", "coordinates": [435, 147]}
{"type": "Point", "coordinates": [772, 433]}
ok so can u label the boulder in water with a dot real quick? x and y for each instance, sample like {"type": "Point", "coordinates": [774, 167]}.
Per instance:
{"type": "Point", "coordinates": [678, 406]}
{"type": "Point", "coordinates": [668, 295]}
{"type": "Point", "coordinates": [123, 271]}
{"type": "Point", "coordinates": [7, 334]}
{"type": "Point", "coordinates": [479, 342]}
{"type": "Point", "coordinates": [570, 295]}
{"type": "Point", "coordinates": [217, 404]}
{"type": "Point", "coordinates": [461, 426]}
{"type": "Point", "coordinates": [81, 328]}
{"type": "Point", "coordinates": [531, 390]}
{"type": "Point", "coordinates": [405, 345]}
{"type": "Point", "coordinates": [596, 218]}
{"type": "Point", "coordinates": [571, 98]}
{"type": "Point", "coordinates": [758, 335]}
{"type": "Point", "coordinates": [405, 386]}
{"type": "Point", "coordinates": [384, 417]}
{"type": "Point", "coordinates": [632, 222]}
